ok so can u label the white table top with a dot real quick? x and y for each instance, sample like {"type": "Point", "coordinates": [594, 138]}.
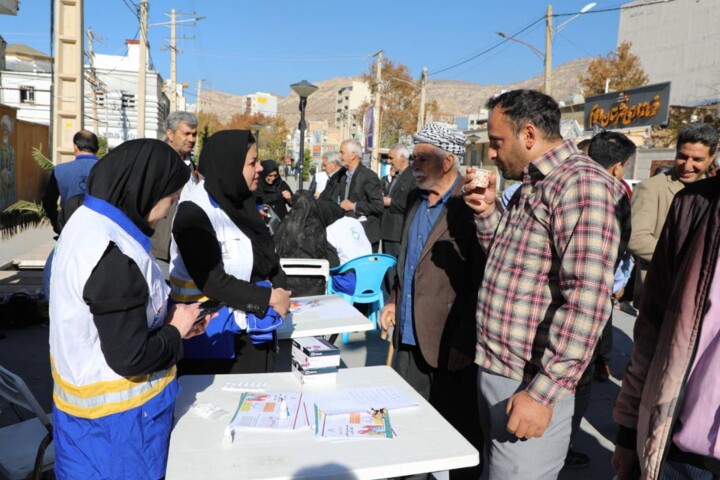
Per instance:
{"type": "Point", "coordinates": [333, 315]}
{"type": "Point", "coordinates": [426, 442]}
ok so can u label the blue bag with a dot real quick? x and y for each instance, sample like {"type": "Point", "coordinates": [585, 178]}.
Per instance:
{"type": "Point", "coordinates": [262, 329]}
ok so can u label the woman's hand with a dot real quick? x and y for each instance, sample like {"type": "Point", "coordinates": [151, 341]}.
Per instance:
{"type": "Point", "coordinates": [182, 317]}
{"type": "Point", "coordinates": [287, 196]}
{"type": "Point", "coordinates": [280, 300]}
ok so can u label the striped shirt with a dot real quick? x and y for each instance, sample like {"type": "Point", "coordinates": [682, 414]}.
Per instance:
{"type": "Point", "coordinates": [547, 288]}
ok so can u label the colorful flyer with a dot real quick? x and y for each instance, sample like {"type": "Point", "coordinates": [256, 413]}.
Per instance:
{"type": "Point", "coordinates": [271, 410]}
{"type": "Point", "coordinates": [353, 425]}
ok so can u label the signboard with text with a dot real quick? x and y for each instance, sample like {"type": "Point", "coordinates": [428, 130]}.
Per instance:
{"type": "Point", "coordinates": [636, 107]}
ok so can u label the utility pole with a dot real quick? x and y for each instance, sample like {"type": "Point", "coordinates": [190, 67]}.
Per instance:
{"type": "Point", "coordinates": [173, 63]}
{"type": "Point", "coordinates": [375, 159]}
{"type": "Point", "coordinates": [142, 70]}
{"type": "Point", "coordinates": [197, 102]}
{"type": "Point", "coordinates": [421, 110]}
{"type": "Point", "coordinates": [68, 84]}
{"type": "Point", "coordinates": [93, 80]}
{"type": "Point", "coordinates": [548, 51]}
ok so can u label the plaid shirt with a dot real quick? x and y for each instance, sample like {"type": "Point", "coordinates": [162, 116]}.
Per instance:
{"type": "Point", "coordinates": [547, 288]}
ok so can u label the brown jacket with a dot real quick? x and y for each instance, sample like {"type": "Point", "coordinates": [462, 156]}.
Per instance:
{"type": "Point", "coordinates": [667, 328]}
{"type": "Point", "coordinates": [650, 204]}
{"type": "Point", "coordinates": [446, 284]}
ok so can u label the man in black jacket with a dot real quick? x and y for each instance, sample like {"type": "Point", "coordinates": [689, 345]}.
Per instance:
{"type": "Point", "coordinates": [360, 191]}
{"type": "Point", "coordinates": [396, 200]}
{"type": "Point", "coordinates": [331, 166]}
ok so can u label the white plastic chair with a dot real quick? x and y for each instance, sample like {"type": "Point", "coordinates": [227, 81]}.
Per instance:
{"type": "Point", "coordinates": [306, 267]}
{"type": "Point", "coordinates": [25, 448]}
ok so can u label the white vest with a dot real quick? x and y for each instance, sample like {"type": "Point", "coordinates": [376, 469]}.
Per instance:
{"type": "Point", "coordinates": [235, 246]}
{"type": "Point", "coordinates": [85, 385]}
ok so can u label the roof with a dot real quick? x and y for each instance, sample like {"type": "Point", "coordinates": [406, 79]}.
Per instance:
{"type": "Point", "coordinates": [24, 50]}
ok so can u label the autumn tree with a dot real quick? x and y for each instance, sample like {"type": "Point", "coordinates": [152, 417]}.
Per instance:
{"type": "Point", "coordinates": [400, 101]}
{"type": "Point", "coordinates": [621, 67]}
{"type": "Point", "coordinates": [272, 134]}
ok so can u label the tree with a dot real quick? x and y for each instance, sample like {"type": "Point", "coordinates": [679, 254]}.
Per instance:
{"type": "Point", "coordinates": [400, 101]}
{"type": "Point", "coordinates": [272, 135]}
{"type": "Point", "coordinates": [621, 67]}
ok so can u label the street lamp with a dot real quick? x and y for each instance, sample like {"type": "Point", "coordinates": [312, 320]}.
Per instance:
{"type": "Point", "coordinates": [304, 89]}
{"type": "Point", "coordinates": [256, 128]}
{"type": "Point", "coordinates": [472, 138]}
{"type": "Point", "coordinates": [549, 31]}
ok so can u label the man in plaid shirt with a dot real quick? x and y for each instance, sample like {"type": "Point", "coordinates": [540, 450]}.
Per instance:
{"type": "Point", "coordinates": [548, 283]}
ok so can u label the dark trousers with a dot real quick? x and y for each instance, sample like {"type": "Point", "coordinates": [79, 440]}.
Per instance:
{"type": "Point", "coordinates": [603, 349]}
{"type": "Point", "coordinates": [452, 394]}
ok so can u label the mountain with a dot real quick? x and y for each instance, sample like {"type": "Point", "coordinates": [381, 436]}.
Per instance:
{"type": "Point", "coordinates": [454, 97]}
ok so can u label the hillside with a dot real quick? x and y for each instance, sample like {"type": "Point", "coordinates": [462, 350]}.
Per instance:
{"type": "Point", "coordinates": [455, 97]}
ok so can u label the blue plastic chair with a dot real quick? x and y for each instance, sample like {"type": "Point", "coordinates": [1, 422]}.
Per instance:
{"type": "Point", "coordinates": [369, 273]}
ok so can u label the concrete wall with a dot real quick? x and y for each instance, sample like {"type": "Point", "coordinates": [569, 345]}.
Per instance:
{"type": "Point", "coordinates": [644, 157]}
{"type": "Point", "coordinates": [677, 42]}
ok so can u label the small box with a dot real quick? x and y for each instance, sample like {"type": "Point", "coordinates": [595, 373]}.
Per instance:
{"type": "Point", "coordinates": [315, 346]}
{"type": "Point", "coordinates": [314, 376]}
{"type": "Point", "coordinates": [321, 361]}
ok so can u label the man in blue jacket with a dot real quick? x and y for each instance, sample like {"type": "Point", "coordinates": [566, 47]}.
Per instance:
{"type": "Point", "coordinates": [69, 179]}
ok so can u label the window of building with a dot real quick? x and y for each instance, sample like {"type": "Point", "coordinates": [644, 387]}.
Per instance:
{"type": "Point", "coordinates": [27, 94]}
{"type": "Point", "coordinates": [127, 100]}
{"type": "Point", "coordinates": [100, 98]}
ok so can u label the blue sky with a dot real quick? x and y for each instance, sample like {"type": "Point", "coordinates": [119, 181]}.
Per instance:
{"type": "Point", "coordinates": [266, 45]}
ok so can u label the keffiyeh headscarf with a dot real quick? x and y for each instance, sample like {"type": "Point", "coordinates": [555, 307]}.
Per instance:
{"type": "Point", "coordinates": [449, 139]}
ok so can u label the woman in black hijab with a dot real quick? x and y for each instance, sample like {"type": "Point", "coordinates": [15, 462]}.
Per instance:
{"type": "Point", "coordinates": [112, 338]}
{"type": "Point", "coordinates": [231, 170]}
{"type": "Point", "coordinates": [272, 190]}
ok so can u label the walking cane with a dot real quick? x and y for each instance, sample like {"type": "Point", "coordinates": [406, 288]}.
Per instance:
{"type": "Point", "coordinates": [391, 352]}
{"type": "Point", "coordinates": [385, 335]}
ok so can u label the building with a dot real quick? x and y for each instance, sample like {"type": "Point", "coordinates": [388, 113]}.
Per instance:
{"type": "Point", "coordinates": [260, 102]}
{"type": "Point", "coordinates": [349, 100]}
{"type": "Point", "coordinates": [472, 121]}
{"type": "Point", "coordinates": [676, 42]}
{"type": "Point", "coordinates": [116, 97]}
{"type": "Point", "coordinates": [110, 91]}
{"type": "Point", "coordinates": [25, 82]}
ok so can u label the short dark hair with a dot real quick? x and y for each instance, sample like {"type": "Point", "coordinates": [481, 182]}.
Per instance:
{"type": "Point", "coordinates": [86, 141]}
{"type": "Point", "coordinates": [609, 148]}
{"type": "Point", "coordinates": [699, 133]}
{"type": "Point", "coordinates": [530, 106]}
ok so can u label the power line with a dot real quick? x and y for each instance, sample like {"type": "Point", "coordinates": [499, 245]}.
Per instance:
{"type": "Point", "coordinates": [300, 58]}
{"type": "Point", "coordinates": [489, 49]}
{"type": "Point", "coordinates": [133, 7]}
{"type": "Point", "coordinates": [613, 9]}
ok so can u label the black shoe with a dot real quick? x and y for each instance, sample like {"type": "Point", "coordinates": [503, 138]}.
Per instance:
{"type": "Point", "coordinates": [576, 460]}
{"type": "Point", "coordinates": [627, 308]}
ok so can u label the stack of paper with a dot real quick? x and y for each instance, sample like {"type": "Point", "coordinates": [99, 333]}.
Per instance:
{"type": "Point", "coordinates": [315, 360]}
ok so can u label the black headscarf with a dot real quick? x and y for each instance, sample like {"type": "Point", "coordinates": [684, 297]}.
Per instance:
{"type": "Point", "coordinates": [222, 162]}
{"type": "Point", "coordinates": [269, 166]}
{"type": "Point", "coordinates": [136, 175]}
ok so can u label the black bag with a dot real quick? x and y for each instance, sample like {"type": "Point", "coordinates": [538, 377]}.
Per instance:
{"type": "Point", "coordinates": [19, 310]}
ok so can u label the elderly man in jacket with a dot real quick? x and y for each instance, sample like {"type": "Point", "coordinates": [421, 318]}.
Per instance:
{"type": "Point", "coordinates": [440, 266]}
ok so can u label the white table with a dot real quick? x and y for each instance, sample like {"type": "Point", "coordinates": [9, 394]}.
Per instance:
{"type": "Point", "coordinates": [426, 442]}
{"type": "Point", "coordinates": [334, 316]}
